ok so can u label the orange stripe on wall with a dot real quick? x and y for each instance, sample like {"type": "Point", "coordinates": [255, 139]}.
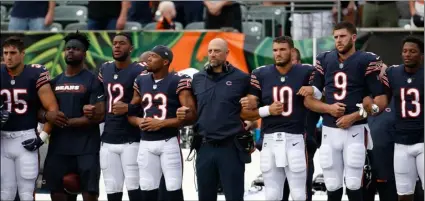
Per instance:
{"type": "Point", "coordinates": [183, 50]}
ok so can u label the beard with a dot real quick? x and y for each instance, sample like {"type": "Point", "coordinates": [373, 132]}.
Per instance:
{"type": "Point", "coordinates": [73, 62]}
{"type": "Point", "coordinates": [219, 63]}
{"type": "Point", "coordinates": [123, 57]}
{"type": "Point", "coordinates": [346, 48]}
{"type": "Point", "coordinates": [282, 63]}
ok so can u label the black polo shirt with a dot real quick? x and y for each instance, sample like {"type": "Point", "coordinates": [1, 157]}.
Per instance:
{"type": "Point", "coordinates": [218, 97]}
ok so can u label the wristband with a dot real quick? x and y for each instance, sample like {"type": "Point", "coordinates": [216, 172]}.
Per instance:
{"type": "Point", "coordinates": [43, 136]}
{"type": "Point", "coordinates": [264, 111]}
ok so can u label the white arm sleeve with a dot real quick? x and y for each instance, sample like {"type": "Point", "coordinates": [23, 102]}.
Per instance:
{"type": "Point", "coordinates": [317, 94]}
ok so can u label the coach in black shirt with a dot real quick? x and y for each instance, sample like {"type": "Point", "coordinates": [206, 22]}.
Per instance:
{"type": "Point", "coordinates": [218, 89]}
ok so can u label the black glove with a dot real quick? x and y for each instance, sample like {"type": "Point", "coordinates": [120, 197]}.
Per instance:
{"type": "Point", "coordinates": [33, 143]}
{"type": "Point", "coordinates": [4, 116]}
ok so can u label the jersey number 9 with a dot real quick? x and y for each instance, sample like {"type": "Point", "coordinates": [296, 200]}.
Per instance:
{"type": "Point", "coordinates": [340, 82]}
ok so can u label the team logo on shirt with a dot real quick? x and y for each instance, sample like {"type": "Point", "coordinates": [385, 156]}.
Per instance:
{"type": "Point", "coordinates": [74, 88]}
{"type": "Point", "coordinates": [229, 83]}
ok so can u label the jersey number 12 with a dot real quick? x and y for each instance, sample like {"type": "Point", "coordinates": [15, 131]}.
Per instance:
{"type": "Point", "coordinates": [118, 89]}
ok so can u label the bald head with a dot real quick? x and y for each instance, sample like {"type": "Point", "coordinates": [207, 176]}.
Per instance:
{"type": "Point", "coordinates": [218, 43]}
{"type": "Point", "coordinates": [217, 52]}
{"type": "Point", "coordinates": [144, 57]}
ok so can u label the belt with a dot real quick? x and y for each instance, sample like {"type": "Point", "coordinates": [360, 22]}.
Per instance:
{"type": "Point", "coordinates": [15, 134]}
{"type": "Point", "coordinates": [218, 143]}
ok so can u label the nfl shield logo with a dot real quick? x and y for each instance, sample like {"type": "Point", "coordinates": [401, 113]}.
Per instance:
{"type": "Point", "coordinates": [115, 76]}
{"type": "Point", "coordinates": [154, 86]}
{"type": "Point", "coordinates": [341, 65]}
{"type": "Point", "coordinates": [282, 79]}
{"type": "Point", "coordinates": [409, 80]}
{"type": "Point", "coordinates": [12, 82]}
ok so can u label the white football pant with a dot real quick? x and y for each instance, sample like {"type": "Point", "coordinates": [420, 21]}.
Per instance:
{"type": "Point", "coordinates": [156, 158]}
{"type": "Point", "coordinates": [283, 157]}
{"type": "Point", "coordinates": [118, 163]}
{"type": "Point", "coordinates": [343, 155]}
{"type": "Point", "coordinates": [19, 167]}
{"type": "Point", "coordinates": [408, 164]}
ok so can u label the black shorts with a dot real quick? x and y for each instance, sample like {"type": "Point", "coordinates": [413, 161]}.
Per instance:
{"type": "Point", "coordinates": [87, 166]}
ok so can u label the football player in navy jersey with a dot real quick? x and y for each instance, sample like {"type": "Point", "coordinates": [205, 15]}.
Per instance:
{"type": "Point", "coordinates": [406, 86]}
{"type": "Point", "coordinates": [283, 115]}
{"type": "Point", "coordinates": [161, 95]}
{"type": "Point", "coordinates": [345, 75]}
{"type": "Point", "coordinates": [24, 90]}
{"type": "Point", "coordinates": [75, 147]}
{"type": "Point", "coordinates": [120, 140]}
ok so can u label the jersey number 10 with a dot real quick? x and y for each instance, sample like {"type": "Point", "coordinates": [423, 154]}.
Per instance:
{"type": "Point", "coordinates": [284, 95]}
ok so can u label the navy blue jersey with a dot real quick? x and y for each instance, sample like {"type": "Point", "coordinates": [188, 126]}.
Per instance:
{"type": "Point", "coordinates": [160, 100]}
{"type": "Point", "coordinates": [72, 93]}
{"type": "Point", "coordinates": [20, 96]}
{"type": "Point", "coordinates": [269, 86]}
{"type": "Point", "coordinates": [408, 93]}
{"type": "Point", "coordinates": [347, 82]}
{"type": "Point", "coordinates": [118, 86]}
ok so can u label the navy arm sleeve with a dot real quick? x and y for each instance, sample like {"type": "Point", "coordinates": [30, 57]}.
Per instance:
{"type": "Point", "coordinates": [135, 109]}
{"type": "Point", "coordinates": [318, 79]}
{"type": "Point", "coordinates": [96, 94]}
{"type": "Point", "coordinates": [372, 72]}
{"type": "Point", "coordinates": [43, 77]}
{"type": "Point", "coordinates": [185, 83]}
{"type": "Point", "coordinates": [255, 86]}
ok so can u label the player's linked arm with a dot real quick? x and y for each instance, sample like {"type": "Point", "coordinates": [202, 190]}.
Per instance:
{"type": "Point", "coordinates": [316, 105]}
{"type": "Point", "coordinates": [188, 101]}
{"type": "Point", "coordinates": [133, 119]}
{"type": "Point", "coordinates": [249, 111]}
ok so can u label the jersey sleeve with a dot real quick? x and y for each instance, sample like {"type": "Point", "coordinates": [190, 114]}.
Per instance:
{"type": "Point", "coordinates": [309, 74]}
{"type": "Point", "coordinates": [184, 83]}
{"type": "Point", "coordinates": [136, 85]}
{"type": "Point", "coordinates": [255, 86]}
{"type": "Point", "coordinates": [100, 72]}
{"type": "Point", "coordinates": [43, 76]}
{"type": "Point", "coordinates": [373, 69]}
{"type": "Point", "coordinates": [96, 92]}
{"type": "Point", "coordinates": [318, 75]}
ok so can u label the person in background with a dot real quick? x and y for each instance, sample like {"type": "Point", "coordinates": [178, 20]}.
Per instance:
{"type": "Point", "coordinates": [380, 14]}
{"type": "Point", "coordinates": [107, 15]}
{"type": "Point", "coordinates": [141, 12]}
{"type": "Point", "coordinates": [223, 14]}
{"type": "Point", "coordinates": [31, 15]}
{"type": "Point", "coordinates": [348, 11]}
{"type": "Point", "coordinates": [296, 57]}
{"type": "Point", "coordinates": [166, 12]}
{"type": "Point", "coordinates": [417, 12]}
{"type": "Point", "coordinates": [189, 11]}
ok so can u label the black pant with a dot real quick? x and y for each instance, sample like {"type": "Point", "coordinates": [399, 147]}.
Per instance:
{"type": "Point", "coordinates": [311, 150]}
{"type": "Point", "coordinates": [220, 159]}
{"type": "Point", "coordinates": [86, 166]}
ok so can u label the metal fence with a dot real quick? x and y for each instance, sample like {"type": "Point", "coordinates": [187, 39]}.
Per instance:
{"type": "Point", "coordinates": [275, 19]}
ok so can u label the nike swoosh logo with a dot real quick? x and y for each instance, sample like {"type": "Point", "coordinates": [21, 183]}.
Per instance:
{"type": "Point", "coordinates": [100, 96]}
{"type": "Point", "coordinates": [295, 144]}
{"type": "Point", "coordinates": [355, 135]}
